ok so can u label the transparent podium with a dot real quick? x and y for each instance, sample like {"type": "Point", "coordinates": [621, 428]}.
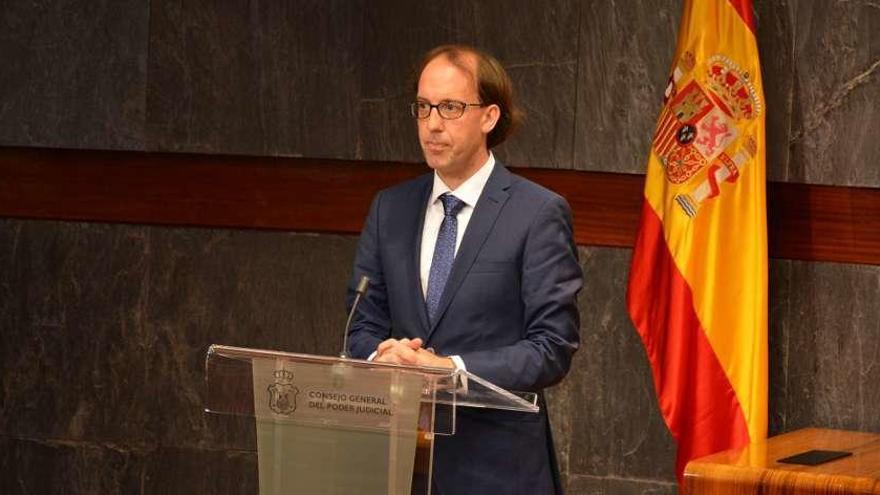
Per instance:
{"type": "Point", "coordinates": [326, 425]}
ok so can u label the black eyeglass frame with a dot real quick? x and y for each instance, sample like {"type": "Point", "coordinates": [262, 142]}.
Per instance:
{"type": "Point", "coordinates": [414, 108]}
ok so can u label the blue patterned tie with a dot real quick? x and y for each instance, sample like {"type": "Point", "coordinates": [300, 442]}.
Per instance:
{"type": "Point", "coordinates": [444, 253]}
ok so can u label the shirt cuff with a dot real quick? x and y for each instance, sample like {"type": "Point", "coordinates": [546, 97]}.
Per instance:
{"type": "Point", "coordinates": [459, 366]}
{"type": "Point", "coordinates": [372, 356]}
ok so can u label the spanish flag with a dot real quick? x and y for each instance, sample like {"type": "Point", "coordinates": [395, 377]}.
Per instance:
{"type": "Point", "coordinates": [698, 283]}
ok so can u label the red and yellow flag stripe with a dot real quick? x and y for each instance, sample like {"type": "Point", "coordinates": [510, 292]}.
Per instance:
{"type": "Point", "coordinates": [698, 284]}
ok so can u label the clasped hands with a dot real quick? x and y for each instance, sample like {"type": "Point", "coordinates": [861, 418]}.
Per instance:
{"type": "Point", "coordinates": [406, 351]}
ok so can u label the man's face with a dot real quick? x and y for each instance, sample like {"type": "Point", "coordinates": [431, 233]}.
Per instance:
{"type": "Point", "coordinates": [454, 148]}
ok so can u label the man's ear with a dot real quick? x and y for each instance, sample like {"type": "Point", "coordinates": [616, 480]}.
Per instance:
{"type": "Point", "coordinates": [490, 118]}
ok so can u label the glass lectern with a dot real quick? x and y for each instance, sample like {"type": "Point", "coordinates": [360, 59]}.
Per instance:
{"type": "Point", "coordinates": [327, 425]}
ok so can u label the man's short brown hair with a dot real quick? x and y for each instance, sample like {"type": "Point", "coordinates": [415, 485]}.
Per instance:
{"type": "Point", "coordinates": [493, 86]}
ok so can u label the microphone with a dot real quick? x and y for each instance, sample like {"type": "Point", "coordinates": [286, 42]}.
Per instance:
{"type": "Point", "coordinates": [361, 290]}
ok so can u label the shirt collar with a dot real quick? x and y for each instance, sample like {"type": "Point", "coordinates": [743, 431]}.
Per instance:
{"type": "Point", "coordinates": [469, 191]}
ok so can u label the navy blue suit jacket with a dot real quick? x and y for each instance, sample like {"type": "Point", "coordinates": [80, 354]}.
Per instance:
{"type": "Point", "coordinates": [508, 309]}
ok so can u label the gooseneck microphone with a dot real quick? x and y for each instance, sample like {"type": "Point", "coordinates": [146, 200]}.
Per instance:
{"type": "Point", "coordinates": [362, 287]}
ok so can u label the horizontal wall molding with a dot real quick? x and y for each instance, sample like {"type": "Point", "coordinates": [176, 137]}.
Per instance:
{"type": "Point", "coordinates": [806, 222]}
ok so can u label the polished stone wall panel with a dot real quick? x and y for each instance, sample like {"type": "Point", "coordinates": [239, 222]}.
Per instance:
{"type": "Point", "coordinates": [38, 466]}
{"type": "Point", "coordinates": [836, 89]}
{"type": "Point", "coordinates": [105, 327]}
{"type": "Point", "coordinates": [29, 466]}
{"type": "Point", "coordinates": [268, 78]}
{"type": "Point", "coordinates": [331, 79]}
{"type": "Point", "coordinates": [67, 305]}
{"type": "Point", "coordinates": [625, 51]}
{"type": "Point", "coordinates": [73, 73]}
{"type": "Point", "coordinates": [825, 346]}
{"type": "Point", "coordinates": [396, 35]}
{"type": "Point", "coordinates": [188, 471]}
{"type": "Point", "coordinates": [589, 485]}
{"type": "Point", "coordinates": [538, 50]}
{"type": "Point", "coordinates": [605, 412]}
{"type": "Point", "coordinates": [775, 39]}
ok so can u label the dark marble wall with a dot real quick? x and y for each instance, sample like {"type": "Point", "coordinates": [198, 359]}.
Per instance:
{"type": "Point", "coordinates": [332, 78]}
{"type": "Point", "coordinates": [278, 78]}
{"type": "Point", "coordinates": [73, 73]}
{"type": "Point", "coordinates": [103, 327]}
{"type": "Point", "coordinates": [822, 72]}
{"type": "Point", "coordinates": [824, 371]}
{"type": "Point", "coordinates": [825, 346]}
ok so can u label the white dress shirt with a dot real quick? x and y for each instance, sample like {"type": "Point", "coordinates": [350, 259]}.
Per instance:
{"type": "Point", "coordinates": [469, 192]}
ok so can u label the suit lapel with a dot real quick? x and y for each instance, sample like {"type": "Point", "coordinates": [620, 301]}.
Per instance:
{"type": "Point", "coordinates": [490, 204]}
{"type": "Point", "coordinates": [413, 271]}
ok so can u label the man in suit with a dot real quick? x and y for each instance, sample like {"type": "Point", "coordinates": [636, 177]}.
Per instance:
{"type": "Point", "coordinates": [475, 268]}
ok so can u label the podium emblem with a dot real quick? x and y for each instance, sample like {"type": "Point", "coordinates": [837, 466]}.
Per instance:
{"type": "Point", "coordinates": [282, 393]}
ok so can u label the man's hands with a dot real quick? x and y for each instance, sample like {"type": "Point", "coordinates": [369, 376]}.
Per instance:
{"type": "Point", "coordinates": [406, 351]}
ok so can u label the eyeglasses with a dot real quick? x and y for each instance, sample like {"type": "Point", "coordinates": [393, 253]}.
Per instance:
{"type": "Point", "coordinates": [446, 109]}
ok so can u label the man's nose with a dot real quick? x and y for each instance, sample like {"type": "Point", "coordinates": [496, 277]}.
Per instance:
{"type": "Point", "coordinates": [434, 120]}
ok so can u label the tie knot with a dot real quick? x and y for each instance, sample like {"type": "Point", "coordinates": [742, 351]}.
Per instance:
{"type": "Point", "coordinates": [451, 204]}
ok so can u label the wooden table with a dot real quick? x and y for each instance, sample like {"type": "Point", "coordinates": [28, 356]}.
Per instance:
{"type": "Point", "coordinates": [755, 470]}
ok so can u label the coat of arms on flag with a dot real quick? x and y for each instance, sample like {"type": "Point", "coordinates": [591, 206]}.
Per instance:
{"type": "Point", "coordinates": [698, 131]}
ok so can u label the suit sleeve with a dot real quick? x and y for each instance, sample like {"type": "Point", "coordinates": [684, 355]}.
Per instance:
{"type": "Point", "coordinates": [372, 321]}
{"type": "Point", "coordinates": [550, 280]}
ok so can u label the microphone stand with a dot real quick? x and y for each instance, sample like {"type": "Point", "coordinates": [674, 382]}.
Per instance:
{"type": "Point", "coordinates": [361, 290]}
